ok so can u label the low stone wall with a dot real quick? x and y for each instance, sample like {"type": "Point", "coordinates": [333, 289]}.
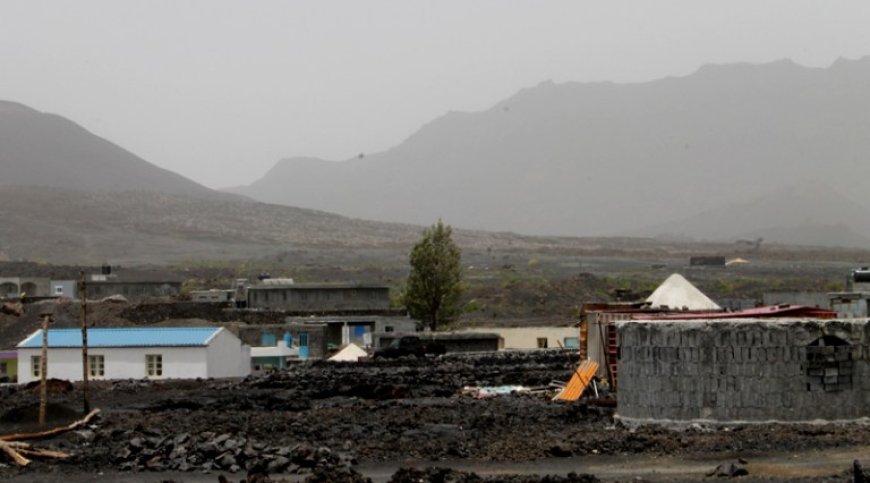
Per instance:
{"type": "Point", "coordinates": [743, 370]}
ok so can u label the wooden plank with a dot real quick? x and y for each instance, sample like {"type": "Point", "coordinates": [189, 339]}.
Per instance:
{"type": "Point", "coordinates": [579, 380]}
{"type": "Point", "coordinates": [14, 454]}
{"type": "Point", "coordinates": [52, 432]}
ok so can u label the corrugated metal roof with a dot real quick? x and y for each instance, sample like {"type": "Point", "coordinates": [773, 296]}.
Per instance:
{"type": "Point", "coordinates": [771, 311]}
{"type": "Point", "coordinates": [125, 337]}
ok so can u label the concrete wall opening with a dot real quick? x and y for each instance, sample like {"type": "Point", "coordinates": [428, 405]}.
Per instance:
{"type": "Point", "coordinates": [29, 288]}
{"type": "Point", "coordinates": [829, 365]}
{"type": "Point", "coordinates": [8, 290]}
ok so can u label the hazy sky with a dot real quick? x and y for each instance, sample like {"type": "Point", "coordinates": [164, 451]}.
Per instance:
{"type": "Point", "coordinates": [220, 90]}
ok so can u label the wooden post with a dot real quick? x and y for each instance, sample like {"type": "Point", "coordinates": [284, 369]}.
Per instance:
{"type": "Point", "coordinates": [83, 295]}
{"type": "Point", "coordinates": [43, 369]}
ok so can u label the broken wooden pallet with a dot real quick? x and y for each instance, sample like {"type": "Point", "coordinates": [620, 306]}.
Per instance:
{"type": "Point", "coordinates": [579, 380]}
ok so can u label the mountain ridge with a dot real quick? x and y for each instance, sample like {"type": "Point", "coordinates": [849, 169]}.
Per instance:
{"type": "Point", "coordinates": [601, 159]}
{"type": "Point", "coordinates": [42, 149]}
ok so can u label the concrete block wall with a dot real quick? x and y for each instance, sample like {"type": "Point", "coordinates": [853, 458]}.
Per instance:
{"type": "Point", "coordinates": [744, 370]}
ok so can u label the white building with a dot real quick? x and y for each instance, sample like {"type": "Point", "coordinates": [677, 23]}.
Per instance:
{"type": "Point", "coordinates": [136, 352]}
{"type": "Point", "coordinates": [543, 337]}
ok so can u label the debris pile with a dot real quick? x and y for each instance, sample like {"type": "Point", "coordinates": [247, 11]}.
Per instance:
{"type": "Point", "coordinates": [208, 451]}
{"type": "Point", "coordinates": [16, 449]}
{"type": "Point", "coordinates": [382, 379]}
{"type": "Point", "coordinates": [439, 475]}
{"type": "Point", "coordinates": [312, 421]}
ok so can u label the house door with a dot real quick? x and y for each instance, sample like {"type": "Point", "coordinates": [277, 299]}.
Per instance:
{"type": "Point", "coordinates": [303, 345]}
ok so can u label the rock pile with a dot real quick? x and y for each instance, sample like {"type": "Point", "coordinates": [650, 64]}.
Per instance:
{"type": "Point", "coordinates": [208, 451]}
{"type": "Point", "coordinates": [416, 378]}
{"type": "Point", "coordinates": [443, 475]}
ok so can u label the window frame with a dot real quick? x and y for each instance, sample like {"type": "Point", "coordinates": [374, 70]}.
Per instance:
{"type": "Point", "coordinates": [154, 366]}
{"type": "Point", "coordinates": [98, 371]}
{"type": "Point", "coordinates": [574, 344]}
{"type": "Point", "coordinates": [36, 366]}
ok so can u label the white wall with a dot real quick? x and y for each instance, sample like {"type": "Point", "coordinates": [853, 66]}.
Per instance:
{"type": "Point", "coordinates": [227, 356]}
{"type": "Point", "coordinates": [527, 337]}
{"type": "Point", "coordinates": [120, 363]}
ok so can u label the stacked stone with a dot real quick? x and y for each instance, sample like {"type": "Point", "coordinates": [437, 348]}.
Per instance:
{"type": "Point", "coordinates": [225, 452]}
{"type": "Point", "coordinates": [743, 370]}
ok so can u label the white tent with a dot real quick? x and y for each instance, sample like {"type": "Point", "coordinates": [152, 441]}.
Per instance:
{"type": "Point", "coordinates": [677, 293]}
{"type": "Point", "coordinates": [351, 352]}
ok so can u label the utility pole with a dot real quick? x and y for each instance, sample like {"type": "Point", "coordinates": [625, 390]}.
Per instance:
{"type": "Point", "coordinates": [43, 367]}
{"type": "Point", "coordinates": [83, 295]}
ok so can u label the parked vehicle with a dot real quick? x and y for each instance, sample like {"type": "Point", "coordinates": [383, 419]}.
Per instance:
{"type": "Point", "coordinates": [410, 345]}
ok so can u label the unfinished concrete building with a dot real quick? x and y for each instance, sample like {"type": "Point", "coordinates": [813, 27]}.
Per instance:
{"type": "Point", "coordinates": [744, 370]}
{"type": "Point", "coordinates": [598, 336]}
{"type": "Point", "coordinates": [324, 297]}
{"type": "Point", "coordinates": [14, 287]}
{"type": "Point", "coordinates": [319, 336]}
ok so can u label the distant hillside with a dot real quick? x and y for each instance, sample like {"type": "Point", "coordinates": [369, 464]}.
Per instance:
{"type": "Point", "coordinates": [65, 226]}
{"type": "Point", "coordinates": [38, 149]}
{"type": "Point", "coordinates": [604, 158]}
{"type": "Point", "coordinates": [801, 214]}
{"type": "Point", "coordinates": [134, 227]}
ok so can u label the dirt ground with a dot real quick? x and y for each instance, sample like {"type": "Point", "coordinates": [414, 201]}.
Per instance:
{"type": "Point", "coordinates": [390, 421]}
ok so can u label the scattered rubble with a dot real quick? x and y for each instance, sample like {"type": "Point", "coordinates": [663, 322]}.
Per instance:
{"type": "Point", "coordinates": [442, 475]}
{"type": "Point", "coordinates": [317, 420]}
{"type": "Point", "coordinates": [207, 451]}
{"type": "Point", "coordinates": [735, 468]}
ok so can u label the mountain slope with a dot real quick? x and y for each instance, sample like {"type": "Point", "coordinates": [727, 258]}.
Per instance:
{"type": "Point", "coordinates": [603, 158]}
{"type": "Point", "coordinates": [65, 226]}
{"type": "Point", "coordinates": [803, 214]}
{"type": "Point", "coordinates": [38, 149]}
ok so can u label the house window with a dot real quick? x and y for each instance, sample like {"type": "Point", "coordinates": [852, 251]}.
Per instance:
{"type": "Point", "coordinates": [58, 290]}
{"type": "Point", "coordinates": [303, 295]}
{"type": "Point", "coordinates": [268, 339]}
{"type": "Point", "coordinates": [572, 342]}
{"type": "Point", "coordinates": [96, 366]}
{"type": "Point", "coordinates": [388, 328]}
{"type": "Point", "coordinates": [36, 366]}
{"type": "Point", "coordinates": [154, 365]}
{"type": "Point", "coordinates": [3, 368]}
{"type": "Point", "coordinates": [542, 342]}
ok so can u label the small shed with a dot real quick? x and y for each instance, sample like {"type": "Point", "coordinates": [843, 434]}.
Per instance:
{"type": "Point", "coordinates": [136, 352]}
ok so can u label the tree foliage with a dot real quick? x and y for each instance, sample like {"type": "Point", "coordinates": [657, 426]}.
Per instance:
{"type": "Point", "coordinates": [435, 282]}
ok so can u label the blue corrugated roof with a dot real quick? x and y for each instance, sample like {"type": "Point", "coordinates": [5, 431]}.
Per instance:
{"type": "Point", "coordinates": [124, 337]}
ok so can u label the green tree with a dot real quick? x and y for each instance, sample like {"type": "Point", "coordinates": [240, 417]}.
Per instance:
{"type": "Point", "coordinates": [435, 282]}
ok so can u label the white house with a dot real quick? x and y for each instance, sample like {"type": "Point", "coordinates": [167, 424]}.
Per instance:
{"type": "Point", "coordinates": [136, 352]}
